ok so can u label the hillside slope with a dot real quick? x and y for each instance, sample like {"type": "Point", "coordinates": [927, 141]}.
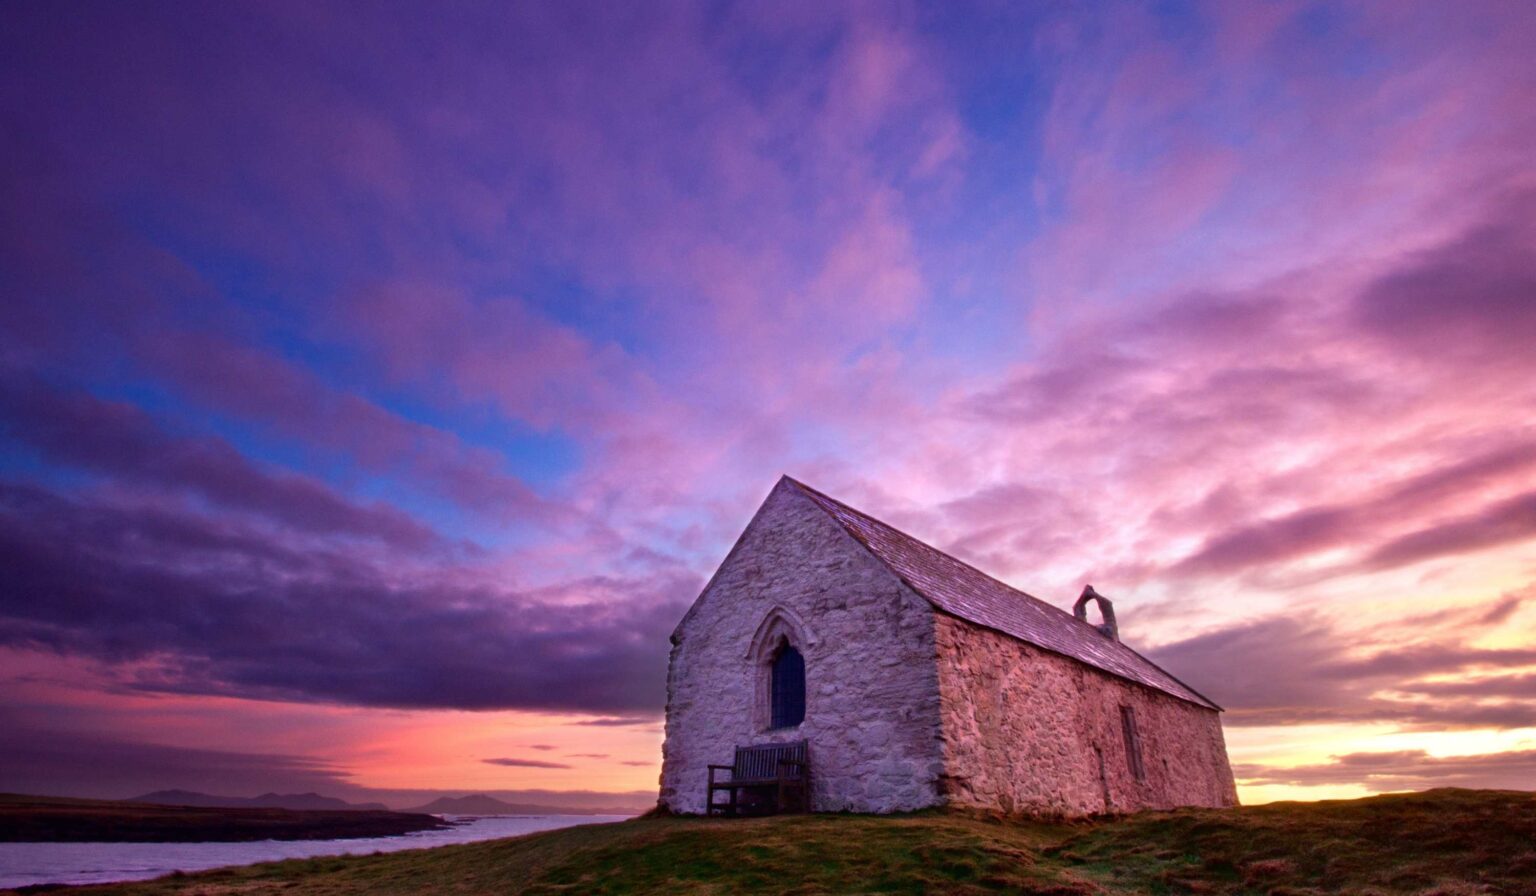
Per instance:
{"type": "Point", "coordinates": [1440, 843]}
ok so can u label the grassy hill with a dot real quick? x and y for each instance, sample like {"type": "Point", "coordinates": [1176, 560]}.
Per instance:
{"type": "Point", "coordinates": [1440, 843]}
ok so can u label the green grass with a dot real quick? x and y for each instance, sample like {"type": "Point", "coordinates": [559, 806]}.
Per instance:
{"type": "Point", "coordinates": [1441, 843]}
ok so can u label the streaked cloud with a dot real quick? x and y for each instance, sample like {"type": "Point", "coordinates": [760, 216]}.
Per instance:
{"type": "Point", "coordinates": [525, 763]}
{"type": "Point", "coordinates": [1291, 670]}
{"type": "Point", "coordinates": [1405, 770]}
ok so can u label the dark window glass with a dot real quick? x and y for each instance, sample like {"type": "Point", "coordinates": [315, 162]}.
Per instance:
{"type": "Point", "coordinates": [788, 688]}
{"type": "Point", "coordinates": [1132, 743]}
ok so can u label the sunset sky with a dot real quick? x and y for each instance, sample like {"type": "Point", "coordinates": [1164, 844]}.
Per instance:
{"type": "Point", "coordinates": [379, 383]}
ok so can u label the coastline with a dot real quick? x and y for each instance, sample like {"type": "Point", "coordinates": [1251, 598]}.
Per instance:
{"type": "Point", "coordinates": [31, 819]}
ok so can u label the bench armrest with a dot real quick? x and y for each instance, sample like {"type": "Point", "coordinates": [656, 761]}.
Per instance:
{"type": "Point", "coordinates": [791, 770]}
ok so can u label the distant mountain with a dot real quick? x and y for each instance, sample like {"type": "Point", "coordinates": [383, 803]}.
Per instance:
{"type": "Point", "coordinates": [265, 801]}
{"type": "Point", "coordinates": [480, 804]}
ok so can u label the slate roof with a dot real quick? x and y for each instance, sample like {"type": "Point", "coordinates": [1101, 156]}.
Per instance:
{"type": "Point", "coordinates": [962, 590]}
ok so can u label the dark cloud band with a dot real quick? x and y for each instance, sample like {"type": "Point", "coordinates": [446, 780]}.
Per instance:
{"type": "Point", "coordinates": [202, 605]}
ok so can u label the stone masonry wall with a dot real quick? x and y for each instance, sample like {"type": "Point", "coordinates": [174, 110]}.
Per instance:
{"type": "Point", "coordinates": [1030, 731]}
{"type": "Point", "coordinates": [872, 714]}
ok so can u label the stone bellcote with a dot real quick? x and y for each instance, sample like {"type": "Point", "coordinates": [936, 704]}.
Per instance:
{"type": "Point", "coordinates": [1106, 612]}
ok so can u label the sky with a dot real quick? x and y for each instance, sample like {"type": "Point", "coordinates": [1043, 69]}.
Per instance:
{"type": "Point", "coordinates": [380, 382]}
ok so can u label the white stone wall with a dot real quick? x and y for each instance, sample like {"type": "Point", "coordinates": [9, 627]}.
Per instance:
{"type": "Point", "coordinates": [1025, 731]}
{"type": "Point", "coordinates": [872, 715]}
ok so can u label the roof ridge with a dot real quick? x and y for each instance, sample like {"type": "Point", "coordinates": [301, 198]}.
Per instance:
{"type": "Point", "coordinates": [905, 534]}
{"type": "Point", "coordinates": [982, 606]}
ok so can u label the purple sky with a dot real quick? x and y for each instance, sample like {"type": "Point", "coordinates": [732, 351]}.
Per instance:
{"type": "Point", "coordinates": [379, 383]}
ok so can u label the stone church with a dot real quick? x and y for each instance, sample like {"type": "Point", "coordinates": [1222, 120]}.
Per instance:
{"type": "Point", "coordinates": [914, 680]}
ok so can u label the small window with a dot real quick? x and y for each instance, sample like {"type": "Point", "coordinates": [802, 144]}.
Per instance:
{"type": "Point", "coordinates": [787, 688]}
{"type": "Point", "coordinates": [1132, 743]}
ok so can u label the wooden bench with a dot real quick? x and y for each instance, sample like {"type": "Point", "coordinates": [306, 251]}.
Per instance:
{"type": "Point", "coordinates": [775, 777]}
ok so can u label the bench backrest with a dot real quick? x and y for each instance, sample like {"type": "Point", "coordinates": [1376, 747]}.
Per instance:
{"type": "Point", "coordinates": [762, 761]}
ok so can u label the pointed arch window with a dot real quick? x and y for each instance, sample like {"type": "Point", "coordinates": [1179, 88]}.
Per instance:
{"type": "Point", "coordinates": [787, 688]}
{"type": "Point", "coordinates": [778, 654]}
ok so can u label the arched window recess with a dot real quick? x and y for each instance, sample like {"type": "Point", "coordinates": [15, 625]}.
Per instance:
{"type": "Point", "coordinates": [778, 655]}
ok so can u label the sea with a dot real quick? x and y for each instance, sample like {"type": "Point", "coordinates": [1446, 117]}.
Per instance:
{"type": "Point", "coordinates": [24, 864]}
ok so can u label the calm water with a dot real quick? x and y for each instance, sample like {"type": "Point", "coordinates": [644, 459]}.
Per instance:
{"type": "Point", "coordinates": [93, 863]}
